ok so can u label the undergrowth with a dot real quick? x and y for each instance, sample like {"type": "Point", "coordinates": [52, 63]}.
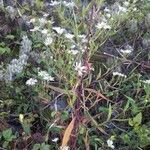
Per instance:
{"type": "Point", "coordinates": [75, 75]}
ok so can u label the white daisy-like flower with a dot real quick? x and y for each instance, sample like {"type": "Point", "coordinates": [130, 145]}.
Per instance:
{"type": "Point", "coordinates": [69, 36]}
{"type": "Point", "coordinates": [55, 139]}
{"type": "Point", "coordinates": [119, 74]}
{"type": "Point", "coordinates": [80, 68]}
{"type": "Point", "coordinates": [42, 21]}
{"type": "Point", "coordinates": [45, 76]}
{"type": "Point", "coordinates": [36, 28]}
{"type": "Point", "coordinates": [44, 31]}
{"type": "Point", "coordinates": [54, 3]}
{"type": "Point", "coordinates": [110, 144]}
{"type": "Point", "coordinates": [103, 25]}
{"type": "Point", "coordinates": [59, 30]}
{"type": "Point", "coordinates": [31, 81]}
{"type": "Point", "coordinates": [48, 41]}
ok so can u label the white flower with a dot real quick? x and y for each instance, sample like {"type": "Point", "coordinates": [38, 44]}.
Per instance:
{"type": "Point", "coordinates": [69, 36]}
{"type": "Point", "coordinates": [110, 144]}
{"type": "Point", "coordinates": [32, 20]}
{"type": "Point", "coordinates": [82, 36]}
{"type": "Point", "coordinates": [36, 28]}
{"type": "Point", "coordinates": [42, 21]}
{"type": "Point", "coordinates": [73, 46]}
{"type": "Point", "coordinates": [119, 74]}
{"type": "Point", "coordinates": [45, 15]}
{"type": "Point", "coordinates": [45, 76]}
{"type": "Point", "coordinates": [31, 81]}
{"type": "Point", "coordinates": [128, 49]}
{"type": "Point", "coordinates": [80, 68]}
{"type": "Point", "coordinates": [122, 9]}
{"type": "Point", "coordinates": [108, 15]}
{"type": "Point", "coordinates": [106, 10]}
{"type": "Point", "coordinates": [54, 3]}
{"type": "Point", "coordinates": [48, 41]}
{"type": "Point", "coordinates": [59, 30]}
{"type": "Point", "coordinates": [68, 4]}
{"type": "Point", "coordinates": [55, 140]}
{"type": "Point", "coordinates": [126, 3]}
{"type": "Point", "coordinates": [103, 25]}
{"type": "Point", "coordinates": [146, 81]}
{"type": "Point", "coordinates": [73, 52]}
{"type": "Point", "coordinates": [44, 31]}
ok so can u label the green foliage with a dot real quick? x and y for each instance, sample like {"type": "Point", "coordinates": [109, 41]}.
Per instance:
{"type": "Point", "coordinates": [42, 146]}
{"type": "Point", "coordinates": [79, 71]}
{"type": "Point", "coordinates": [8, 135]}
{"type": "Point", "coordinates": [4, 49]}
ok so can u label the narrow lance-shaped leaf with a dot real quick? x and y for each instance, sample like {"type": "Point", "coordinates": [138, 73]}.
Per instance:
{"type": "Point", "coordinates": [67, 133]}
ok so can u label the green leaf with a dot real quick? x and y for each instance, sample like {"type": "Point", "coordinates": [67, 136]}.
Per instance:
{"type": "Point", "coordinates": [109, 113]}
{"type": "Point", "coordinates": [131, 123]}
{"type": "Point", "coordinates": [137, 119]}
{"type": "Point", "coordinates": [44, 147]}
{"type": "Point", "coordinates": [5, 144]}
{"type": "Point", "coordinates": [126, 106]}
{"type": "Point", "coordinates": [7, 134]}
{"type": "Point", "coordinates": [26, 128]}
{"type": "Point", "coordinates": [4, 50]}
{"type": "Point", "coordinates": [10, 37]}
{"type": "Point", "coordinates": [36, 147]}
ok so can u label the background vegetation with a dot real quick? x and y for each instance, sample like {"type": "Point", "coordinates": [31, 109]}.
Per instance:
{"type": "Point", "coordinates": [75, 75]}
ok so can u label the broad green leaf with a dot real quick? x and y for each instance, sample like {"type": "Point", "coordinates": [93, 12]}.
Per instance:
{"type": "Point", "coordinates": [26, 128]}
{"type": "Point", "coordinates": [4, 50]}
{"type": "Point", "coordinates": [44, 147]}
{"type": "Point", "coordinates": [137, 119]}
{"type": "Point", "coordinates": [36, 147]}
{"type": "Point", "coordinates": [7, 134]}
{"type": "Point", "coordinates": [131, 123]}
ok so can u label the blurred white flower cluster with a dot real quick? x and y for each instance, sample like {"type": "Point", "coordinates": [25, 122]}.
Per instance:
{"type": "Point", "coordinates": [1, 3]}
{"type": "Point", "coordinates": [45, 76]}
{"type": "Point", "coordinates": [119, 74]}
{"type": "Point", "coordinates": [127, 50]}
{"type": "Point", "coordinates": [31, 82]}
{"type": "Point", "coordinates": [16, 66]}
{"type": "Point", "coordinates": [110, 144]}
{"type": "Point", "coordinates": [64, 3]}
{"type": "Point", "coordinates": [12, 12]}
{"type": "Point", "coordinates": [119, 9]}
